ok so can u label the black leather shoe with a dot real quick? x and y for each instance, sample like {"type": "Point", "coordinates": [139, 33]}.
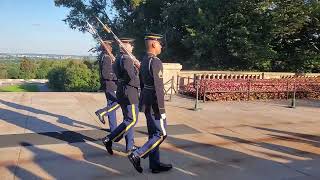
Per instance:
{"type": "Point", "coordinates": [108, 144]}
{"type": "Point", "coordinates": [161, 168]}
{"type": "Point", "coordinates": [101, 118]}
{"type": "Point", "coordinates": [135, 160]}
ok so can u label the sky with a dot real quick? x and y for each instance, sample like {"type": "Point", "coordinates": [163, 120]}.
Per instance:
{"type": "Point", "coordinates": [36, 26]}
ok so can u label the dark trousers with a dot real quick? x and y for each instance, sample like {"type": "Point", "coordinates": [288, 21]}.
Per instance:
{"type": "Point", "coordinates": [110, 109]}
{"type": "Point", "coordinates": [157, 134]}
{"type": "Point", "coordinates": [126, 128]}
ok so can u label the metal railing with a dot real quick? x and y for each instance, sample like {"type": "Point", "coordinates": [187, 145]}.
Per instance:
{"type": "Point", "coordinates": [251, 89]}
{"type": "Point", "coordinates": [169, 91]}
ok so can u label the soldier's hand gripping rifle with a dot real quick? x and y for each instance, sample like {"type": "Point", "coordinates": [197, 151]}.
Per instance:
{"type": "Point", "coordinates": [108, 29]}
{"type": "Point", "coordinates": [93, 31]}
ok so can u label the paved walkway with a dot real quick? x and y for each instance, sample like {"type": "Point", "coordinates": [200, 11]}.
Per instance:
{"type": "Point", "coordinates": [57, 136]}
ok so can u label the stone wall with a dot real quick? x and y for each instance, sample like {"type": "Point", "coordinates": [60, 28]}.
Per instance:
{"type": "Point", "coordinates": [5, 82]}
{"type": "Point", "coordinates": [171, 72]}
{"type": "Point", "coordinates": [184, 77]}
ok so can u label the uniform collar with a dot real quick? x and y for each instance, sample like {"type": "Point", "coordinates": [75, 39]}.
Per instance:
{"type": "Point", "coordinates": [150, 54]}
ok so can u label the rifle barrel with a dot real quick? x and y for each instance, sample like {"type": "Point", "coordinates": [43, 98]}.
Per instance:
{"type": "Point", "coordinates": [101, 41]}
{"type": "Point", "coordinates": [108, 29]}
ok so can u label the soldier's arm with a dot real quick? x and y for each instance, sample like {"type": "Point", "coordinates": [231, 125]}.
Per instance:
{"type": "Point", "coordinates": [105, 73]}
{"type": "Point", "coordinates": [157, 71]}
{"type": "Point", "coordinates": [140, 78]}
{"type": "Point", "coordinates": [141, 108]}
{"type": "Point", "coordinates": [129, 67]}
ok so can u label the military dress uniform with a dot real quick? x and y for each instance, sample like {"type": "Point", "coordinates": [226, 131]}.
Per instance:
{"type": "Point", "coordinates": [108, 84]}
{"type": "Point", "coordinates": [128, 98]}
{"type": "Point", "coordinates": [152, 99]}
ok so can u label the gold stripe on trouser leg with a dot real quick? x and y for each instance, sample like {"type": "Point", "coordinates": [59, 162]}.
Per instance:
{"type": "Point", "coordinates": [113, 108]}
{"type": "Point", "coordinates": [133, 110]}
{"type": "Point", "coordinates": [159, 141]}
{"type": "Point", "coordinates": [153, 146]}
{"type": "Point", "coordinates": [103, 113]}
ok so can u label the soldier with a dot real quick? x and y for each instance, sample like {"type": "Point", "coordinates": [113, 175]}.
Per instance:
{"type": "Point", "coordinates": [128, 98]}
{"type": "Point", "coordinates": [151, 74]}
{"type": "Point", "coordinates": [108, 83]}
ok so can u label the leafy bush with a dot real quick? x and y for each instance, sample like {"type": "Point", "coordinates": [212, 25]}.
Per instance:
{"type": "Point", "coordinates": [95, 80]}
{"type": "Point", "coordinates": [44, 68]}
{"type": "Point", "coordinates": [76, 76]}
{"type": "Point", "coordinates": [57, 79]}
{"type": "Point", "coordinates": [13, 71]}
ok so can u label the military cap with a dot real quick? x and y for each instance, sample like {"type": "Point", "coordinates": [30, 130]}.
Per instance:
{"type": "Point", "coordinates": [153, 36]}
{"type": "Point", "coordinates": [127, 40]}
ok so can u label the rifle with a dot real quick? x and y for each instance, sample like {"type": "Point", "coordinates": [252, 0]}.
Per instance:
{"type": "Point", "coordinates": [93, 31]}
{"type": "Point", "coordinates": [136, 62]}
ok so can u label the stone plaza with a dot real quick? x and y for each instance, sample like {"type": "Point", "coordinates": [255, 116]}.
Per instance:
{"type": "Point", "coordinates": [51, 135]}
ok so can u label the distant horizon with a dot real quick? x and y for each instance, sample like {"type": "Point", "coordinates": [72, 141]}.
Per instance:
{"type": "Point", "coordinates": [8, 53]}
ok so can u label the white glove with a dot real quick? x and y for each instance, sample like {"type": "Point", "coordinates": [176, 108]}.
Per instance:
{"type": "Point", "coordinates": [163, 116]}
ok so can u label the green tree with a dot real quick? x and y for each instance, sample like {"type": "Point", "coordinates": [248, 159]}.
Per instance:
{"type": "Point", "coordinates": [74, 76]}
{"type": "Point", "coordinates": [77, 77]}
{"type": "Point", "coordinates": [27, 69]}
{"type": "Point", "coordinates": [296, 35]}
{"type": "Point", "coordinates": [94, 84]}
{"type": "Point", "coordinates": [57, 78]}
{"type": "Point", "coordinates": [45, 66]}
{"type": "Point", "coordinates": [13, 71]}
{"type": "Point", "coordinates": [3, 71]}
{"type": "Point", "coordinates": [216, 34]}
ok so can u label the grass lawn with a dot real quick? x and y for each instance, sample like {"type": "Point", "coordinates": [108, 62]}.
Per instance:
{"type": "Point", "coordinates": [20, 88]}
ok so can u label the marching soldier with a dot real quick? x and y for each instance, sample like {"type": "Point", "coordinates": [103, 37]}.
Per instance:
{"type": "Point", "coordinates": [127, 95]}
{"type": "Point", "coordinates": [151, 74]}
{"type": "Point", "coordinates": [108, 83]}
